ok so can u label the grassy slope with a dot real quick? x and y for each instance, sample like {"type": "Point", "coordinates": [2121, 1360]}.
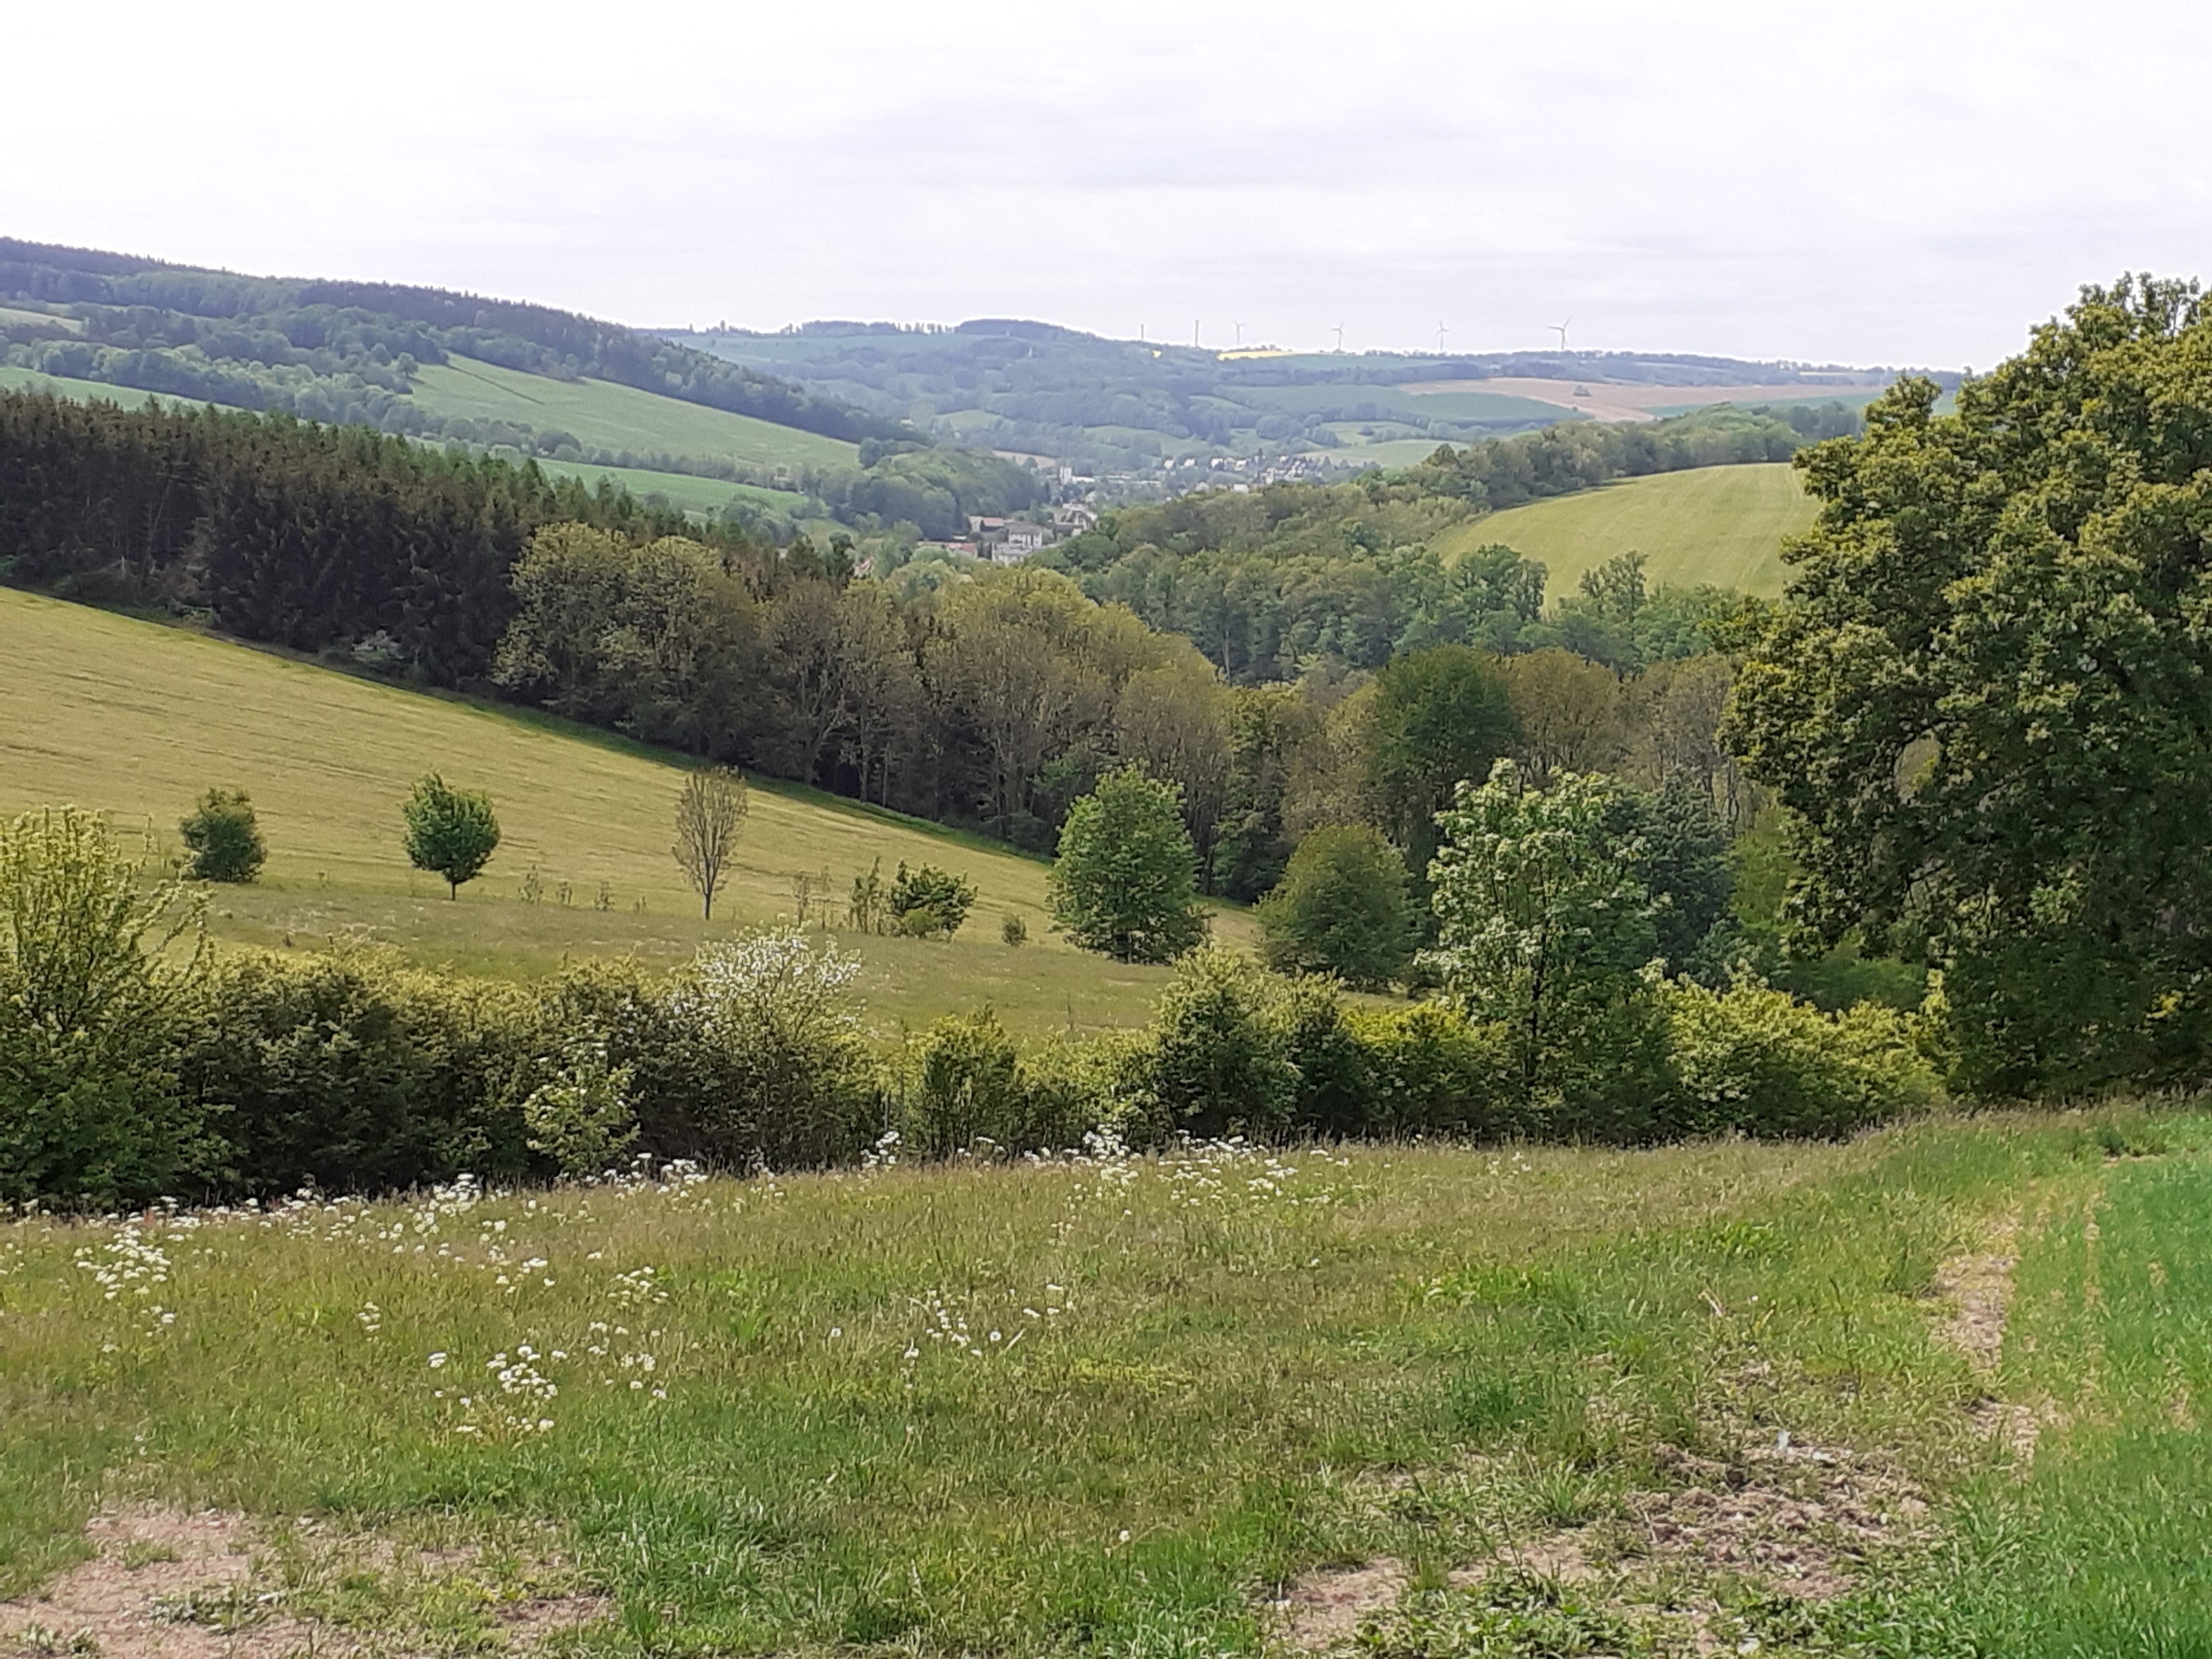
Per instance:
{"type": "Point", "coordinates": [611, 416]}
{"type": "Point", "coordinates": [1192, 1379]}
{"type": "Point", "coordinates": [137, 720]}
{"type": "Point", "coordinates": [1716, 523]}
{"type": "Point", "coordinates": [29, 379]}
{"type": "Point", "coordinates": [685, 491]}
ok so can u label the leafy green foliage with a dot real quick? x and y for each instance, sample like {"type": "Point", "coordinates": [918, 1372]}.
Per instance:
{"type": "Point", "coordinates": [1342, 909]}
{"type": "Point", "coordinates": [1123, 883]}
{"type": "Point", "coordinates": [450, 832]}
{"type": "Point", "coordinates": [1546, 916]}
{"type": "Point", "coordinates": [1218, 1064]}
{"type": "Point", "coordinates": [1442, 716]}
{"type": "Point", "coordinates": [1986, 702]}
{"type": "Point", "coordinates": [223, 838]}
{"type": "Point", "coordinates": [90, 1001]}
{"type": "Point", "coordinates": [930, 904]}
{"type": "Point", "coordinates": [1756, 1060]}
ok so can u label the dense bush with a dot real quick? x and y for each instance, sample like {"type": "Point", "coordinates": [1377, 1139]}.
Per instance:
{"type": "Point", "coordinates": [91, 1108]}
{"type": "Point", "coordinates": [1756, 1060]}
{"type": "Point", "coordinates": [131, 1067]}
{"type": "Point", "coordinates": [223, 837]}
{"type": "Point", "coordinates": [1340, 908]}
{"type": "Point", "coordinates": [930, 902]}
{"type": "Point", "coordinates": [352, 1073]}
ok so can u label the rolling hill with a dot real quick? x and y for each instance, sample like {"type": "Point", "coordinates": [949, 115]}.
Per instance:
{"type": "Point", "coordinates": [602, 415]}
{"type": "Point", "coordinates": [136, 720]}
{"type": "Point", "coordinates": [1722, 525]}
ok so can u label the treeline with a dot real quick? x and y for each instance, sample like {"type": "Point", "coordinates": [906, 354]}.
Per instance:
{"type": "Point", "coordinates": [134, 1063]}
{"type": "Point", "coordinates": [993, 701]}
{"type": "Point", "coordinates": [317, 538]}
{"type": "Point", "coordinates": [1266, 582]}
{"type": "Point", "coordinates": [343, 351]}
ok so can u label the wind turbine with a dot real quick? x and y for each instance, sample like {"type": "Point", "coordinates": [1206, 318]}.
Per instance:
{"type": "Point", "coordinates": [1239, 327]}
{"type": "Point", "coordinates": [1340, 337]}
{"type": "Point", "coordinates": [1560, 329]}
{"type": "Point", "coordinates": [1441, 332]}
{"type": "Point", "coordinates": [1194, 331]}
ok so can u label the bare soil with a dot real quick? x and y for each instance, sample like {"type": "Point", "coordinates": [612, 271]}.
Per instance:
{"type": "Point", "coordinates": [165, 1584]}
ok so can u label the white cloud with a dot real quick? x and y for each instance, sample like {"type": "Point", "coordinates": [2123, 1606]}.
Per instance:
{"type": "Point", "coordinates": [1879, 182]}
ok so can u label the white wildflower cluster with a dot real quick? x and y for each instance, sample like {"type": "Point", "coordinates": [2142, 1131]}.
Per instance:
{"type": "Point", "coordinates": [636, 1289]}
{"type": "Point", "coordinates": [624, 1365]}
{"type": "Point", "coordinates": [1105, 1168]}
{"type": "Point", "coordinates": [128, 1264]}
{"type": "Point", "coordinates": [884, 1155]}
{"type": "Point", "coordinates": [945, 1323]}
{"type": "Point", "coordinates": [371, 1317]}
{"type": "Point", "coordinates": [518, 1399]}
{"type": "Point", "coordinates": [129, 1268]}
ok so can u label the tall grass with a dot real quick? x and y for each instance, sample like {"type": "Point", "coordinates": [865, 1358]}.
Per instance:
{"type": "Point", "coordinates": [1105, 1404]}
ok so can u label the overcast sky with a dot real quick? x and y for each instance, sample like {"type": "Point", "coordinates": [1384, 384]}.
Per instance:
{"type": "Point", "coordinates": [1881, 181]}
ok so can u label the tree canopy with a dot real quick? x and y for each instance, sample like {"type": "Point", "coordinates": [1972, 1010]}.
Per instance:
{"type": "Point", "coordinates": [1124, 883]}
{"type": "Point", "coordinates": [1988, 701]}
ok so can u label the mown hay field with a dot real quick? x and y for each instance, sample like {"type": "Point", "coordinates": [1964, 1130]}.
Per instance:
{"type": "Point", "coordinates": [604, 414]}
{"type": "Point", "coordinates": [137, 720]}
{"type": "Point", "coordinates": [1938, 1391]}
{"type": "Point", "coordinates": [1722, 525]}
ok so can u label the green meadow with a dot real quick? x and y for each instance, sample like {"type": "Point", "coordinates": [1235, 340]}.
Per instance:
{"type": "Point", "coordinates": [686, 492]}
{"type": "Point", "coordinates": [603, 415]}
{"type": "Point", "coordinates": [1930, 1393]}
{"type": "Point", "coordinates": [1722, 524]}
{"type": "Point", "coordinates": [137, 720]}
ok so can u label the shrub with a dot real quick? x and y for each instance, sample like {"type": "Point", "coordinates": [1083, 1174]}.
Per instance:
{"type": "Point", "coordinates": [450, 831]}
{"type": "Point", "coordinates": [1547, 921]}
{"type": "Point", "coordinates": [754, 1055]}
{"type": "Point", "coordinates": [1124, 883]}
{"type": "Point", "coordinates": [354, 1073]}
{"type": "Point", "coordinates": [1014, 931]}
{"type": "Point", "coordinates": [90, 1106]}
{"type": "Point", "coordinates": [1430, 1070]}
{"type": "Point", "coordinates": [1101, 1083]}
{"type": "Point", "coordinates": [1756, 1060]}
{"type": "Point", "coordinates": [930, 902]}
{"type": "Point", "coordinates": [580, 1116]}
{"type": "Point", "coordinates": [1340, 908]}
{"type": "Point", "coordinates": [1218, 1061]}
{"type": "Point", "coordinates": [223, 838]}
{"type": "Point", "coordinates": [963, 1084]}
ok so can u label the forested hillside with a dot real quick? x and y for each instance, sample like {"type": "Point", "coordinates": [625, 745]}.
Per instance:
{"type": "Point", "coordinates": [340, 351]}
{"type": "Point", "coordinates": [1112, 406]}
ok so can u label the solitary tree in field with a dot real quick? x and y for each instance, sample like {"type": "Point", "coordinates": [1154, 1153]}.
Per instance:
{"type": "Point", "coordinates": [710, 814]}
{"type": "Point", "coordinates": [450, 832]}
{"type": "Point", "coordinates": [1124, 883]}
{"type": "Point", "coordinates": [223, 838]}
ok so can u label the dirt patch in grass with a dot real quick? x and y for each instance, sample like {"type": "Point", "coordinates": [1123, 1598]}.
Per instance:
{"type": "Point", "coordinates": [1979, 1286]}
{"type": "Point", "coordinates": [1796, 1520]}
{"type": "Point", "coordinates": [162, 1586]}
{"type": "Point", "coordinates": [163, 1583]}
{"type": "Point", "coordinates": [1324, 1610]}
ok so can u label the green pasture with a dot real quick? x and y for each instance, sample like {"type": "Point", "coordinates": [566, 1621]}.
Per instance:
{"type": "Point", "coordinates": [137, 720]}
{"type": "Point", "coordinates": [609, 416]}
{"type": "Point", "coordinates": [1722, 525]}
{"type": "Point", "coordinates": [686, 492]}
{"type": "Point", "coordinates": [62, 385]}
{"type": "Point", "coordinates": [1416, 1402]}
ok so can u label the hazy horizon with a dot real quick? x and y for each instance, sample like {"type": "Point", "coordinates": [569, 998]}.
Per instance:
{"type": "Point", "coordinates": [1910, 185]}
